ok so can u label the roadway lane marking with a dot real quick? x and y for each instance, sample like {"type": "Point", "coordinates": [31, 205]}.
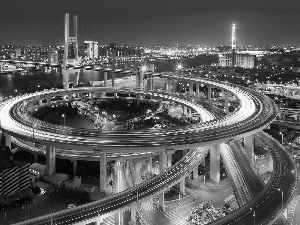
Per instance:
{"type": "Point", "coordinates": [176, 218]}
{"type": "Point", "coordinates": [109, 220]}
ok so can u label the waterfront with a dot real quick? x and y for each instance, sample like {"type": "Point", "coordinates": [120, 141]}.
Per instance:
{"type": "Point", "coordinates": [11, 82]}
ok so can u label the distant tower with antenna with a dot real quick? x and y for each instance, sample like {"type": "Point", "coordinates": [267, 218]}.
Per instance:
{"type": "Point", "coordinates": [233, 45]}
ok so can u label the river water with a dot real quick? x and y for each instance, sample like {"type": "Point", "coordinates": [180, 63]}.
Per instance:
{"type": "Point", "coordinates": [11, 82]}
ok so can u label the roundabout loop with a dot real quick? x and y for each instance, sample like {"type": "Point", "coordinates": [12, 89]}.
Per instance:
{"type": "Point", "coordinates": [254, 114]}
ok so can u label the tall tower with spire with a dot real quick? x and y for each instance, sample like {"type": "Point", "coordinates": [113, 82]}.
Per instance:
{"type": "Point", "coordinates": [233, 45]}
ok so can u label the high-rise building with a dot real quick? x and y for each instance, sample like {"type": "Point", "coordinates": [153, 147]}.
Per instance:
{"type": "Point", "coordinates": [241, 60]}
{"type": "Point", "coordinates": [91, 49]}
{"type": "Point", "coordinates": [52, 57]}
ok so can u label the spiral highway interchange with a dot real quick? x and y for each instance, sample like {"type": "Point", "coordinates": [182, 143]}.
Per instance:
{"type": "Point", "coordinates": [255, 112]}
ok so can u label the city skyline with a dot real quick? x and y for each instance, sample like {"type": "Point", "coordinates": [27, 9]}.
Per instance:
{"type": "Point", "coordinates": [153, 22]}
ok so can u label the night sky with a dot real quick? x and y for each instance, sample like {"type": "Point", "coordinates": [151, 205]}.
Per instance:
{"type": "Point", "coordinates": [153, 21]}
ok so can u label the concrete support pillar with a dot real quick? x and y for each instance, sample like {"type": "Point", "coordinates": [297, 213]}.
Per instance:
{"type": "Point", "coordinates": [152, 67]}
{"type": "Point", "coordinates": [298, 117]}
{"type": "Point", "coordinates": [195, 173]}
{"type": "Point", "coordinates": [48, 101]}
{"type": "Point", "coordinates": [103, 170]}
{"type": "Point", "coordinates": [163, 161]}
{"type": "Point", "coordinates": [169, 159]}
{"type": "Point", "coordinates": [41, 102]}
{"type": "Point", "coordinates": [249, 147]}
{"type": "Point", "coordinates": [113, 76]}
{"type": "Point", "coordinates": [137, 80]}
{"type": "Point", "coordinates": [74, 167]}
{"type": "Point", "coordinates": [133, 173]}
{"type": "Point", "coordinates": [105, 79]}
{"type": "Point", "coordinates": [7, 140]}
{"type": "Point", "coordinates": [215, 163]}
{"type": "Point", "coordinates": [92, 97]}
{"type": "Point", "coordinates": [270, 163]}
{"type": "Point", "coordinates": [76, 79]}
{"type": "Point", "coordinates": [161, 201]}
{"type": "Point", "coordinates": [197, 89]}
{"type": "Point", "coordinates": [185, 111]}
{"type": "Point", "coordinates": [226, 101]}
{"type": "Point", "coordinates": [191, 89]}
{"type": "Point", "coordinates": [66, 74]}
{"type": "Point", "coordinates": [119, 176]}
{"type": "Point", "coordinates": [209, 94]}
{"type": "Point", "coordinates": [173, 85]}
{"type": "Point", "coordinates": [142, 74]}
{"type": "Point", "coordinates": [182, 185]}
{"type": "Point", "coordinates": [50, 160]}
{"type": "Point", "coordinates": [150, 164]}
{"type": "Point", "coordinates": [169, 85]}
{"type": "Point", "coordinates": [133, 208]}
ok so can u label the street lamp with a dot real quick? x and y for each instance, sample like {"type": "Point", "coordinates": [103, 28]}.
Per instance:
{"type": "Point", "coordinates": [179, 67]}
{"type": "Point", "coordinates": [253, 215]}
{"type": "Point", "coordinates": [281, 137]}
{"type": "Point", "coordinates": [63, 116]}
{"type": "Point", "coordinates": [281, 200]}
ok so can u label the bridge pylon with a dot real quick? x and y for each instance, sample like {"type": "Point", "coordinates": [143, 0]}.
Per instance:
{"type": "Point", "coordinates": [70, 57]}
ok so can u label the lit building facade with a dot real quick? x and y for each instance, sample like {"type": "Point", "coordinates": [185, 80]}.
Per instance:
{"type": "Point", "coordinates": [91, 49]}
{"type": "Point", "coordinates": [240, 60]}
{"type": "Point", "coordinates": [14, 180]}
{"type": "Point", "coordinates": [52, 57]}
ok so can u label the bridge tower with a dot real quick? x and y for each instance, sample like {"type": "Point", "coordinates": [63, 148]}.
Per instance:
{"type": "Point", "coordinates": [70, 57]}
{"type": "Point", "coordinates": [233, 45]}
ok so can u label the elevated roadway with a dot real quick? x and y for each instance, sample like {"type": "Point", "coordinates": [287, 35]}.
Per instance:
{"type": "Point", "coordinates": [254, 113]}
{"type": "Point", "coordinates": [268, 204]}
{"type": "Point", "coordinates": [244, 178]}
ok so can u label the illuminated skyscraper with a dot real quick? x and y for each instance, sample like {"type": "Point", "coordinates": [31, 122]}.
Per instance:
{"type": "Point", "coordinates": [91, 49]}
